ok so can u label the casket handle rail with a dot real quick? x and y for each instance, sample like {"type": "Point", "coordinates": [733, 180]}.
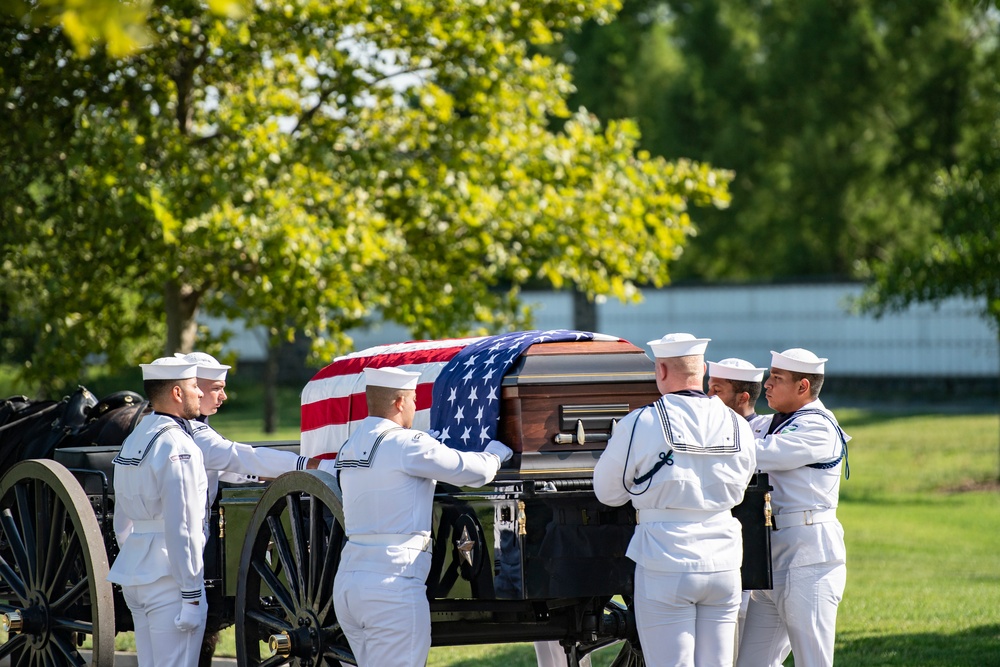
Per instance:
{"type": "Point", "coordinates": [581, 436]}
{"type": "Point", "coordinates": [593, 423]}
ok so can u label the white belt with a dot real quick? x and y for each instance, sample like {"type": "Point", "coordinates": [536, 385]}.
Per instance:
{"type": "Point", "coordinates": [418, 542]}
{"type": "Point", "coordinates": [147, 526]}
{"type": "Point", "coordinates": [680, 516]}
{"type": "Point", "coordinates": [804, 518]}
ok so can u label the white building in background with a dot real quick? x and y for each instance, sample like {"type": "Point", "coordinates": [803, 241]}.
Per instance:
{"type": "Point", "coordinates": [949, 340]}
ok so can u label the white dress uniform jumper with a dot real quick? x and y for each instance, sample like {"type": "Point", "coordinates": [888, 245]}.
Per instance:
{"type": "Point", "coordinates": [238, 463]}
{"type": "Point", "coordinates": [387, 474]}
{"type": "Point", "coordinates": [160, 491]}
{"type": "Point", "coordinates": [684, 462]}
{"type": "Point", "coordinates": [803, 454]}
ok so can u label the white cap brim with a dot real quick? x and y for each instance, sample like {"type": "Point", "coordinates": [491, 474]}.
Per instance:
{"type": "Point", "coordinates": [209, 367]}
{"type": "Point", "coordinates": [727, 370]}
{"type": "Point", "coordinates": [168, 368]}
{"type": "Point", "coordinates": [798, 360]}
{"type": "Point", "coordinates": [678, 345]}
{"type": "Point", "coordinates": [392, 378]}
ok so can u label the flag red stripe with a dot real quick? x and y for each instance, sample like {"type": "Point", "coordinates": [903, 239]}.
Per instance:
{"type": "Point", "coordinates": [344, 409]}
{"type": "Point", "coordinates": [352, 365]}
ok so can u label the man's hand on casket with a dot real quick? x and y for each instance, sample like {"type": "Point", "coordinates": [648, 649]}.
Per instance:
{"type": "Point", "coordinates": [499, 450]}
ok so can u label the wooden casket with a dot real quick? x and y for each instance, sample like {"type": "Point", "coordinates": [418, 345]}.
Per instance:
{"type": "Point", "coordinates": [561, 401]}
{"type": "Point", "coordinates": [538, 531]}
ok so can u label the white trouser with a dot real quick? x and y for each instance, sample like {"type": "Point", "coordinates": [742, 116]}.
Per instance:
{"type": "Point", "coordinates": [157, 640]}
{"type": "Point", "coordinates": [386, 619]}
{"type": "Point", "coordinates": [687, 619]}
{"type": "Point", "coordinates": [799, 615]}
{"type": "Point", "coordinates": [552, 654]}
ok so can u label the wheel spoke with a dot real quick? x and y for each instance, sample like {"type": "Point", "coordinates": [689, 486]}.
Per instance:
{"type": "Point", "coordinates": [73, 624]}
{"type": "Point", "coordinates": [78, 590]}
{"type": "Point", "coordinates": [339, 655]}
{"type": "Point", "coordinates": [275, 660]}
{"type": "Point", "coordinates": [277, 588]}
{"type": "Point", "coordinates": [25, 509]}
{"type": "Point", "coordinates": [12, 644]}
{"type": "Point", "coordinates": [294, 504]}
{"type": "Point", "coordinates": [316, 529]}
{"type": "Point", "coordinates": [17, 544]}
{"type": "Point", "coordinates": [331, 560]}
{"type": "Point", "coordinates": [54, 573]}
{"type": "Point", "coordinates": [269, 622]}
{"type": "Point", "coordinates": [66, 652]}
{"type": "Point", "coordinates": [15, 582]}
{"type": "Point", "coordinates": [67, 561]}
{"type": "Point", "coordinates": [280, 541]}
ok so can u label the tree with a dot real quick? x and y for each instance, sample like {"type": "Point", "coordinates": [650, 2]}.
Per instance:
{"type": "Point", "coordinates": [959, 252]}
{"type": "Point", "coordinates": [312, 166]}
{"type": "Point", "coordinates": [835, 118]}
{"type": "Point", "coordinates": [962, 256]}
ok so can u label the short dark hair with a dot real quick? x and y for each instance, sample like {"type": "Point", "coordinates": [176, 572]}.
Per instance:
{"type": "Point", "coordinates": [815, 381]}
{"type": "Point", "coordinates": [157, 390]}
{"type": "Point", "coordinates": [751, 388]}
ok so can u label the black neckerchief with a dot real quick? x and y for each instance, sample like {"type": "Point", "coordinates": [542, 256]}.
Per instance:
{"type": "Point", "coordinates": [692, 393]}
{"type": "Point", "coordinates": [777, 420]}
{"type": "Point", "coordinates": [183, 423]}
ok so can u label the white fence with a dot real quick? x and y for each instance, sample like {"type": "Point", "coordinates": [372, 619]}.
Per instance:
{"type": "Point", "coordinates": [949, 340]}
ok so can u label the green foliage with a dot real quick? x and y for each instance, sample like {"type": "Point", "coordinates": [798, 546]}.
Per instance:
{"type": "Point", "coordinates": [862, 134]}
{"type": "Point", "coordinates": [312, 166]}
{"type": "Point", "coordinates": [961, 256]}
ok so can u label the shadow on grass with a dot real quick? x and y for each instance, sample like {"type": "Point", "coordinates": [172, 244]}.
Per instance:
{"type": "Point", "coordinates": [975, 647]}
{"type": "Point", "coordinates": [523, 655]}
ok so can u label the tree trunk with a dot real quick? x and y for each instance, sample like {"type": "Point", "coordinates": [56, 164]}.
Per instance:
{"type": "Point", "coordinates": [584, 312]}
{"type": "Point", "coordinates": [271, 387]}
{"type": "Point", "coordinates": [181, 302]}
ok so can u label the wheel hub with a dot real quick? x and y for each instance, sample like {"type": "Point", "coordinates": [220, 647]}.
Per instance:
{"type": "Point", "coordinates": [302, 642]}
{"type": "Point", "coordinates": [32, 620]}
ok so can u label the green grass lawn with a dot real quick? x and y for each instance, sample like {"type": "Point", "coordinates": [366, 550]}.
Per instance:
{"type": "Point", "coordinates": [922, 516]}
{"type": "Point", "coordinates": [921, 513]}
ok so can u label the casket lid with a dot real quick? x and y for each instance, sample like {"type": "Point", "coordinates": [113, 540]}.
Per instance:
{"type": "Point", "coordinates": [581, 362]}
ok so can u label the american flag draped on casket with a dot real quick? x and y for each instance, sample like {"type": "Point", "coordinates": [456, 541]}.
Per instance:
{"type": "Point", "coordinates": [457, 394]}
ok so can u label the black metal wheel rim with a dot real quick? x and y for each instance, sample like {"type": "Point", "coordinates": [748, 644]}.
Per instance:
{"type": "Point", "coordinates": [53, 569]}
{"type": "Point", "coordinates": [289, 560]}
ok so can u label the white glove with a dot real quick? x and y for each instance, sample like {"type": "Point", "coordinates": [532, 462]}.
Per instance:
{"type": "Point", "coordinates": [327, 465]}
{"type": "Point", "coordinates": [499, 450]}
{"type": "Point", "coordinates": [191, 617]}
{"type": "Point", "coordinates": [434, 433]}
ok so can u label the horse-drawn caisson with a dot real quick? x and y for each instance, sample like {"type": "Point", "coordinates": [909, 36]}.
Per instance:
{"type": "Point", "coordinates": [534, 556]}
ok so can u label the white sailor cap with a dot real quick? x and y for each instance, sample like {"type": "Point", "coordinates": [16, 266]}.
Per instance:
{"type": "Point", "coordinates": [209, 367]}
{"type": "Point", "coordinates": [393, 378]}
{"type": "Point", "coordinates": [735, 369]}
{"type": "Point", "coordinates": [678, 345]}
{"type": "Point", "coordinates": [798, 360]}
{"type": "Point", "coordinates": [168, 368]}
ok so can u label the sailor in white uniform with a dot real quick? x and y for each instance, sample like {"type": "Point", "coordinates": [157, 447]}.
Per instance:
{"type": "Point", "coordinates": [684, 462]}
{"type": "Point", "coordinates": [160, 490]}
{"type": "Point", "coordinates": [387, 472]}
{"type": "Point", "coordinates": [225, 459]}
{"type": "Point", "coordinates": [739, 383]}
{"type": "Point", "coordinates": [803, 452]}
